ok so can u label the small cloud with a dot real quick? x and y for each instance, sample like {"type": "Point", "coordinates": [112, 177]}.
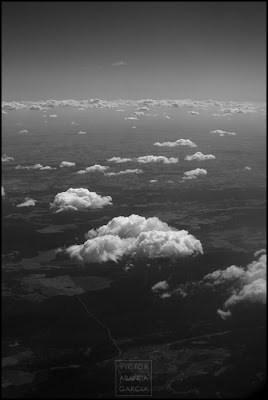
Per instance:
{"type": "Point", "coordinates": [165, 295]}
{"type": "Point", "coordinates": [27, 203]}
{"type": "Point", "coordinates": [74, 123]}
{"type": "Point", "coordinates": [46, 168]}
{"type": "Point", "coordinates": [53, 116]}
{"type": "Point", "coordinates": [133, 127]}
{"type": "Point", "coordinates": [24, 131]}
{"type": "Point", "coordinates": [194, 173]}
{"type": "Point", "coordinates": [67, 164]}
{"type": "Point", "coordinates": [126, 171]}
{"type": "Point", "coordinates": [120, 110]}
{"type": "Point", "coordinates": [179, 142]}
{"type": "Point", "coordinates": [78, 200]}
{"type": "Point", "coordinates": [119, 64]}
{"type": "Point", "coordinates": [6, 158]}
{"type": "Point", "coordinates": [162, 285]}
{"type": "Point", "coordinates": [224, 314]}
{"type": "Point", "coordinates": [193, 112]}
{"type": "Point", "coordinates": [222, 133]}
{"type": "Point", "coordinates": [153, 180]}
{"type": "Point", "coordinates": [216, 115]}
{"type": "Point", "coordinates": [248, 168]}
{"type": "Point", "coordinates": [119, 160]}
{"type": "Point", "coordinates": [130, 118]}
{"type": "Point", "coordinates": [167, 116]}
{"type": "Point", "coordinates": [150, 158]}
{"type": "Point", "coordinates": [4, 112]}
{"type": "Point", "coordinates": [200, 157]}
{"type": "Point", "coordinates": [93, 168]}
{"type": "Point", "coordinates": [3, 191]}
{"type": "Point", "coordinates": [81, 133]}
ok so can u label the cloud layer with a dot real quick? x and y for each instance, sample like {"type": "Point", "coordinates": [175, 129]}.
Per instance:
{"type": "Point", "coordinates": [136, 237]}
{"type": "Point", "coordinates": [179, 142]}
{"type": "Point", "coordinates": [78, 200]}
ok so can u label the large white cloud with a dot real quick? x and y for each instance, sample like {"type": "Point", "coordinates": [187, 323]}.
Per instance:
{"type": "Point", "coordinates": [67, 164]}
{"type": "Point", "coordinates": [6, 158]}
{"type": "Point", "coordinates": [79, 199]}
{"type": "Point", "coordinates": [135, 236]}
{"type": "Point", "coordinates": [119, 160]}
{"type": "Point", "coordinates": [126, 171]}
{"type": "Point", "coordinates": [194, 173]}
{"type": "Point", "coordinates": [93, 168]}
{"type": "Point", "coordinates": [27, 202]}
{"type": "Point", "coordinates": [200, 157]}
{"type": "Point", "coordinates": [222, 133]}
{"type": "Point", "coordinates": [179, 142]}
{"type": "Point", "coordinates": [150, 159]}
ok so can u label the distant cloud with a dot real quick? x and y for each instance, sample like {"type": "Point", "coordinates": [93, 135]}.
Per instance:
{"type": "Point", "coordinates": [46, 168]}
{"type": "Point", "coordinates": [222, 133]}
{"type": "Point", "coordinates": [130, 118]}
{"type": "Point", "coordinates": [118, 160]}
{"type": "Point", "coordinates": [143, 109]}
{"type": "Point", "coordinates": [67, 164]}
{"type": "Point", "coordinates": [200, 157]}
{"type": "Point", "coordinates": [24, 131]}
{"type": "Point", "coordinates": [248, 168]}
{"type": "Point", "coordinates": [119, 64]}
{"type": "Point", "coordinates": [74, 123]}
{"type": "Point", "coordinates": [78, 200]}
{"type": "Point", "coordinates": [193, 112]}
{"type": "Point", "coordinates": [4, 112]}
{"type": "Point", "coordinates": [93, 168]}
{"type": "Point", "coordinates": [35, 107]}
{"type": "Point", "coordinates": [162, 285]}
{"type": "Point", "coordinates": [81, 133]}
{"type": "Point", "coordinates": [126, 171]}
{"type": "Point", "coordinates": [179, 142]}
{"type": "Point", "coordinates": [28, 202]}
{"type": "Point", "coordinates": [150, 158]}
{"type": "Point", "coordinates": [134, 127]}
{"type": "Point", "coordinates": [53, 116]}
{"type": "Point", "coordinates": [3, 191]}
{"type": "Point", "coordinates": [6, 158]}
{"type": "Point", "coordinates": [224, 314]}
{"type": "Point", "coordinates": [194, 173]}
{"type": "Point", "coordinates": [153, 180]}
{"type": "Point", "coordinates": [138, 113]}
{"type": "Point", "coordinates": [36, 166]}
{"type": "Point", "coordinates": [134, 237]}
{"type": "Point", "coordinates": [216, 115]}
{"type": "Point", "coordinates": [168, 117]}
{"type": "Point", "coordinates": [120, 110]}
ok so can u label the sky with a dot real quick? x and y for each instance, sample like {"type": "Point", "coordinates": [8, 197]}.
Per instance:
{"type": "Point", "coordinates": [134, 50]}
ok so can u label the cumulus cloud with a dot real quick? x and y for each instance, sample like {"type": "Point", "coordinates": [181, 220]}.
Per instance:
{"type": "Point", "coordinates": [162, 285]}
{"type": "Point", "coordinates": [150, 159]}
{"type": "Point", "coordinates": [35, 107]}
{"type": "Point", "coordinates": [6, 158]}
{"type": "Point", "coordinates": [27, 202]}
{"type": "Point", "coordinates": [36, 166]}
{"type": "Point", "coordinates": [126, 171]}
{"type": "Point", "coordinates": [24, 131]}
{"type": "Point", "coordinates": [179, 142]}
{"type": "Point", "coordinates": [194, 173]}
{"type": "Point", "coordinates": [46, 168]}
{"type": "Point", "coordinates": [248, 168]}
{"type": "Point", "coordinates": [79, 199]}
{"type": "Point", "coordinates": [93, 168]}
{"type": "Point", "coordinates": [53, 116]}
{"type": "Point", "coordinates": [193, 112]}
{"type": "Point", "coordinates": [119, 64]}
{"type": "Point", "coordinates": [81, 133]}
{"type": "Point", "coordinates": [3, 191]}
{"type": "Point", "coordinates": [200, 157]}
{"type": "Point", "coordinates": [240, 284]}
{"type": "Point", "coordinates": [67, 164]}
{"type": "Point", "coordinates": [119, 160]}
{"type": "Point", "coordinates": [222, 133]}
{"type": "Point", "coordinates": [137, 237]}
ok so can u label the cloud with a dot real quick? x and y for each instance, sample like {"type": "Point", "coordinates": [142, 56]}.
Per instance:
{"type": "Point", "coordinates": [67, 164]}
{"type": "Point", "coordinates": [248, 168]}
{"type": "Point", "coordinates": [3, 191]}
{"type": "Point", "coordinates": [6, 158]}
{"type": "Point", "coordinates": [131, 118]}
{"type": "Point", "coordinates": [120, 110]}
{"type": "Point", "coordinates": [24, 131]}
{"type": "Point", "coordinates": [153, 180]}
{"type": "Point", "coordinates": [193, 112]}
{"type": "Point", "coordinates": [241, 285]}
{"type": "Point", "coordinates": [200, 157]}
{"type": "Point", "coordinates": [143, 109]}
{"type": "Point", "coordinates": [36, 166]}
{"type": "Point", "coordinates": [74, 123]}
{"type": "Point", "coordinates": [119, 64]}
{"type": "Point", "coordinates": [53, 116]}
{"type": "Point", "coordinates": [4, 112]}
{"type": "Point", "coordinates": [138, 113]}
{"type": "Point", "coordinates": [136, 237]}
{"type": "Point", "coordinates": [35, 107]}
{"type": "Point", "coordinates": [168, 117]}
{"type": "Point", "coordinates": [222, 133]}
{"type": "Point", "coordinates": [150, 158]}
{"type": "Point", "coordinates": [28, 202]}
{"type": "Point", "coordinates": [81, 133]}
{"type": "Point", "coordinates": [179, 142]}
{"type": "Point", "coordinates": [194, 173]}
{"type": "Point", "coordinates": [79, 199]}
{"type": "Point", "coordinates": [162, 285]}
{"type": "Point", "coordinates": [93, 168]}
{"type": "Point", "coordinates": [126, 171]}
{"type": "Point", "coordinates": [216, 115]}
{"type": "Point", "coordinates": [133, 127]}
{"type": "Point", "coordinates": [118, 160]}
